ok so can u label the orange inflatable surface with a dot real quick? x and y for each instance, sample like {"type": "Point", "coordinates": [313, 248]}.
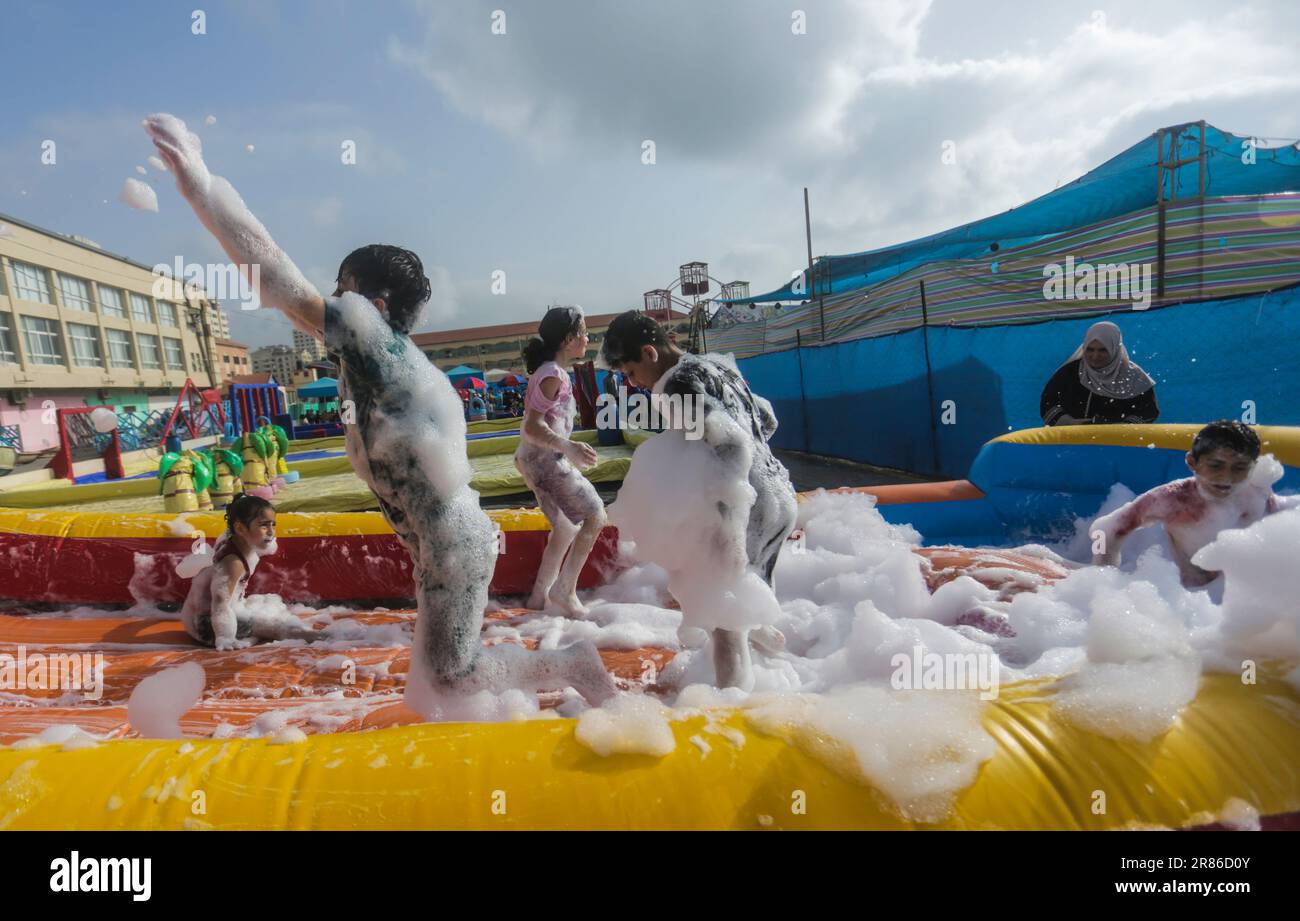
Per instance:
{"type": "Point", "coordinates": [334, 687]}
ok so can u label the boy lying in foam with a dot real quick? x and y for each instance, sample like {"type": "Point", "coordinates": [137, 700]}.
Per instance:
{"type": "Point", "coordinates": [1226, 490]}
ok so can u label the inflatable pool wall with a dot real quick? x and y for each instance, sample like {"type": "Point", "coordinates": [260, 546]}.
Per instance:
{"type": "Point", "coordinates": [1025, 486]}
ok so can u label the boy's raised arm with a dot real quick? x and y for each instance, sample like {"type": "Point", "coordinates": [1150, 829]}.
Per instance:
{"type": "Point", "coordinates": [240, 234]}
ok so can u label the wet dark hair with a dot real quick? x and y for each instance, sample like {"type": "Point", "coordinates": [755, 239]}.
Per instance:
{"type": "Point", "coordinates": [1226, 433]}
{"type": "Point", "coordinates": [244, 510]}
{"type": "Point", "coordinates": [555, 327]}
{"type": "Point", "coordinates": [391, 273]}
{"type": "Point", "coordinates": [627, 335]}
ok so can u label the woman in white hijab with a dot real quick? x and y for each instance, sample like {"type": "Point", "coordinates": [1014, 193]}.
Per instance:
{"type": "Point", "coordinates": [1098, 384]}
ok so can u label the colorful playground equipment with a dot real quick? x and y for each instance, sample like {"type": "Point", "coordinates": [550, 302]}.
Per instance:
{"type": "Point", "coordinates": [184, 480]}
{"type": "Point", "coordinates": [228, 466]}
{"type": "Point", "coordinates": [249, 403]}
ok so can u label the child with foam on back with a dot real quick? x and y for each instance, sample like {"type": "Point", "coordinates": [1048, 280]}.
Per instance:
{"type": "Point", "coordinates": [1227, 489]}
{"type": "Point", "coordinates": [213, 613]}
{"type": "Point", "coordinates": [720, 541]}
{"type": "Point", "coordinates": [550, 462]}
{"type": "Point", "coordinates": [406, 439]}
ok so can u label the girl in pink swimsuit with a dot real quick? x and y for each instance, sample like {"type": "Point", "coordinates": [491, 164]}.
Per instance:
{"type": "Point", "coordinates": [551, 463]}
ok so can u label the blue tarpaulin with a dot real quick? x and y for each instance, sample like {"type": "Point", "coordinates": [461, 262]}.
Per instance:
{"type": "Point", "coordinates": [868, 399]}
{"type": "Point", "coordinates": [1122, 184]}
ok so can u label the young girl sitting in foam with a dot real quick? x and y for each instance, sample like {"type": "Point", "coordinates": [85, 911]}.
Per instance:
{"type": "Point", "coordinates": [1226, 490]}
{"type": "Point", "coordinates": [550, 462]}
{"type": "Point", "coordinates": [213, 613]}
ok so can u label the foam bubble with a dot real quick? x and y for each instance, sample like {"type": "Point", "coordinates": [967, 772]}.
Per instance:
{"type": "Point", "coordinates": [139, 195]}
{"type": "Point", "coordinates": [628, 724]}
{"type": "Point", "coordinates": [161, 699]}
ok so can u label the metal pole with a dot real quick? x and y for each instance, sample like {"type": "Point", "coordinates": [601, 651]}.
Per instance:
{"type": "Point", "coordinates": [803, 398]}
{"type": "Point", "coordinates": [1160, 212]}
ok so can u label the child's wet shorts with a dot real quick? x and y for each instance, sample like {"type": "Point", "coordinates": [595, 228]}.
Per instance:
{"type": "Point", "coordinates": [562, 489]}
{"type": "Point", "coordinates": [203, 629]}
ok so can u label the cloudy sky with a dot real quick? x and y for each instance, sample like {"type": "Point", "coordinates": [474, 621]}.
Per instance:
{"type": "Point", "coordinates": [524, 152]}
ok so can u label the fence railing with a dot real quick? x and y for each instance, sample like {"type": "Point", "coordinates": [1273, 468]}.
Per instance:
{"type": "Point", "coordinates": [11, 436]}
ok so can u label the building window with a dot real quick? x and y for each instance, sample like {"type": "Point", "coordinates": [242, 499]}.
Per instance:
{"type": "Point", "coordinates": [76, 293]}
{"type": "Point", "coordinates": [44, 344]}
{"type": "Point", "coordinates": [85, 346]}
{"type": "Point", "coordinates": [7, 354]}
{"type": "Point", "coordinates": [150, 357]}
{"type": "Point", "coordinates": [120, 352]}
{"type": "Point", "coordinates": [110, 302]}
{"type": "Point", "coordinates": [140, 308]}
{"type": "Point", "coordinates": [175, 354]}
{"type": "Point", "coordinates": [167, 314]}
{"type": "Point", "coordinates": [31, 282]}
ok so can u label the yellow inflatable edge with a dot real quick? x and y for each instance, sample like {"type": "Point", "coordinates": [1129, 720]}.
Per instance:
{"type": "Point", "coordinates": [1235, 746]}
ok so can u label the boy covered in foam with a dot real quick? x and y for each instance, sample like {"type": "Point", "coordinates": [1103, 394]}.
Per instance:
{"type": "Point", "coordinates": [213, 613]}
{"type": "Point", "coordinates": [1228, 489]}
{"type": "Point", "coordinates": [709, 503]}
{"type": "Point", "coordinates": [405, 436]}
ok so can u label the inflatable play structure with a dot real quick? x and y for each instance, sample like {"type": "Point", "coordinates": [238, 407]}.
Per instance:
{"type": "Point", "coordinates": [250, 402]}
{"type": "Point", "coordinates": [372, 765]}
{"type": "Point", "coordinates": [316, 471]}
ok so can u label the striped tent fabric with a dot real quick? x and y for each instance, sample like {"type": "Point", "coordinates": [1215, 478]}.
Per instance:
{"type": "Point", "coordinates": [1214, 248]}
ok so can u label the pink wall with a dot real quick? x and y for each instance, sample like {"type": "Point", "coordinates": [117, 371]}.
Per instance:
{"type": "Point", "coordinates": [38, 435]}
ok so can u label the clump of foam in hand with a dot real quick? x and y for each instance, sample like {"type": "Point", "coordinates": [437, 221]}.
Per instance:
{"type": "Point", "coordinates": [280, 281]}
{"type": "Point", "coordinates": [160, 700]}
{"type": "Point", "coordinates": [703, 552]}
{"type": "Point", "coordinates": [1261, 584]}
{"type": "Point", "coordinates": [629, 724]}
{"type": "Point", "coordinates": [139, 195]}
{"type": "Point", "coordinates": [157, 163]}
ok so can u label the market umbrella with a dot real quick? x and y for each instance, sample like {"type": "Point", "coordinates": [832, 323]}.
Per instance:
{"type": "Point", "coordinates": [513, 380]}
{"type": "Point", "coordinates": [495, 375]}
{"type": "Point", "coordinates": [474, 382]}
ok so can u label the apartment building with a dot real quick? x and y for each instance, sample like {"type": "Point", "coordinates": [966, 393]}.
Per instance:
{"type": "Point", "coordinates": [500, 346]}
{"type": "Point", "coordinates": [231, 359]}
{"type": "Point", "coordinates": [80, 326]}
{"type": "Point", "coordinates": [311, 348]}
{"type": "Point", "coordinates": [280, 361]}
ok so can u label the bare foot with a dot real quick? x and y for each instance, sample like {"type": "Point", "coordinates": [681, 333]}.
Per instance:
{"type": "Point", "coordinates": [568, 604]}
{"type": "Point", "coordinates": [536, 602]}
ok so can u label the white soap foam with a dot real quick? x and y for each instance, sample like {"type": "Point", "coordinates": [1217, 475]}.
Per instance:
{"type": "Point", "coordinates": [627, 724]}
{"type": "Point", "coordinates": [161, 699]}
{"type": "Point", "coordinates": [703, 553]}
{"type": "Point", "coordinates": [139, 195]}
